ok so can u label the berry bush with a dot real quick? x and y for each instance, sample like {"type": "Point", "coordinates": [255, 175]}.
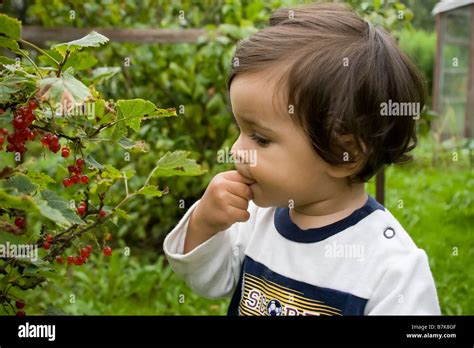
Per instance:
{"type": "Point", "coordinates": [58, 205]}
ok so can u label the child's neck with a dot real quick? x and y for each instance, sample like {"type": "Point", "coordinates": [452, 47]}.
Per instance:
{"type": "Point", "coordinates": [328, 211]}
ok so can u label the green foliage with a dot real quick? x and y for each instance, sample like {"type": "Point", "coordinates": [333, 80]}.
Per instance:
{"type": "Point", "coordinates": [35, 208]}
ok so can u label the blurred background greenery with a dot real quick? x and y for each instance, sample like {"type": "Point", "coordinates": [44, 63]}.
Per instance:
{"type": "Point", "coordinates": [436, 190]}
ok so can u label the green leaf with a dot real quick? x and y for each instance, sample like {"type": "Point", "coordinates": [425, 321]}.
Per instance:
{"type": "Point", "coordinates": [57, 209]}
{"type": "Point", "coordinates": [20, 202]}
{"type": "Point", "coordinates": [102, 74]}
{"type": "Point", "coordinates": [10, 27]}
{"type": "Point", "coordinates": [79, 61]}
{"type": "Point", "coordinates": [21, 183]}
{"type": "Point", "coordinates": [65, 90]}
{"type": "Point", "coordinates": [9, 43]}
{"type": "Point", "coordinates": [93, 39]}
{"type": "Point", "coordinates": [40, 179]}
{"type": "Point", "coordinates": [133, 110]}
{"type": "Point", "coordinates": [177, 163]}
{"type": "Point", "coordinates": [122, 213]}
{"type": "Point", "coordinates": [99, 108]}
{"type": "Point", "coordinates": [129, 144]}
{"type": "Point", "coordinates": [92, 162]}
{"type": "Point", "coordinates": [13, 239]}
{"type": "Point", "coordinates": [150, 190]}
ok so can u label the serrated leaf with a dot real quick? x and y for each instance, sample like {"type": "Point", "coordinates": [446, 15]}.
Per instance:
{"type": "Point", "coordinates": [65, 90]}
{"type": "Point", "coordinates": [57, 203]}
{"type": "Point", "coordinates": [177, 163]}
{"type": "Point", "coordinates": [132, 111]}
{"type": "Point", "coordinates": [93, 39]}
{"type": "Point", "coordinates": [21, 183]}
{"type": "Point", "coordinates": [10, 27]}
{"type": "Point", "coordinates": [150, 190]}
{"type": "Point", "coordinates": [111, 172]}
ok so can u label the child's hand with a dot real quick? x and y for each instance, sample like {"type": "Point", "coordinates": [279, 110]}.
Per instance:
{"type": "Point", "coordinates": [224, 203]}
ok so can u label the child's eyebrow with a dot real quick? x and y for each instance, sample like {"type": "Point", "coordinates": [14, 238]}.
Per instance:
{"type": "Point", "coordinates": [252, 123]}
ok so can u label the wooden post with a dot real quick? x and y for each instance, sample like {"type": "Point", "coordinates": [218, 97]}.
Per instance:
{"type": "Point", "coordinates": [39, 35]}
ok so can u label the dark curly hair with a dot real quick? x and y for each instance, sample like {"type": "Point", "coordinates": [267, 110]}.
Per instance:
{"type": "Point", "coordinates": [340, 70]}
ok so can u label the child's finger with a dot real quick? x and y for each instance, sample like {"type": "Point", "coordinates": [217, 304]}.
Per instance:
{"type": "Point", "coordinates": [234, 175]}
{"type": "Point", "coordinates": [239, 189]}
{"type": "Point", "coordinates": [237, 201]}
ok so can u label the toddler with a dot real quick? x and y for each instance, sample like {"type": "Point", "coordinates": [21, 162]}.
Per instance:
{"type": "Point", "coordinates": [293, 232]}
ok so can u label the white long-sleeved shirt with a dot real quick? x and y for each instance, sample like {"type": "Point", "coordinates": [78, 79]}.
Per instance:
{"type": "Point", "coordinates": [364, 264]}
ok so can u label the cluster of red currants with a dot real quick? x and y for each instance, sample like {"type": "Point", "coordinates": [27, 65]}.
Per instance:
{"type": "Point", "coordinates": [51, 141]}
{"type": "Point", "coordinates": [84, 255]}
{"type": "Point", "coordinates": [23, 117]}
{"type": "Point", "coordinates": [20, 304]}
{"type": "Point", "coordinates": [75, 172]}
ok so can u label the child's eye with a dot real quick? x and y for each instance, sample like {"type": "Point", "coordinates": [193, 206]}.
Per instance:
{"type": "Point", "coordinates": [261, 141]}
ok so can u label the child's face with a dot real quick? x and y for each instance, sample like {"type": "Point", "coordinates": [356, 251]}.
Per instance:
{"type": "Point", "coordinates": [287, 168]}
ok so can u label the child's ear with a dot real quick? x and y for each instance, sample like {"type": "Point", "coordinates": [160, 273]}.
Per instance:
{"type": "Point", "coordinates": [352, 154]}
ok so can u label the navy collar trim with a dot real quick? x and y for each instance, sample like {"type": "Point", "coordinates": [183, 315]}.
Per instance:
{"type": "Point", "coordinates": [288, 229]}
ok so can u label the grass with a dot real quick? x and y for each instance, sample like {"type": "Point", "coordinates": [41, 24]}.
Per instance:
{"type": "Point", "coordinates": [437, 211]}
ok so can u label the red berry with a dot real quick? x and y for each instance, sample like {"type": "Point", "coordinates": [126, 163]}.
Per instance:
{"type": "Point", "coordinates": [80, 162]}
{"type": "Point", "coordinates": [81, 210]}
{"type": "Point", "coordinates": [75, 178]}
{"type": "Point", "coordinates": [2, 140]}
{"type": "Point", "coordinates": [59, 259]}
{"type": "Point", "coordinates": [10, 148]}
{"type": "Point", "coordinates": [89, 248]}
{"type": "Point", "coordinates": [53, 139]}
{"type": "Point", "coordinates": [65, 152]}
{"type": "Point", "coordinates": [67, 182]}
{"type": "Point", "coordinates": [102, 213]}
{"type": "Point", "coordinates": [3, 131]}
{"type": "Point", "coordinates": [49, 238]}
{"type": "Point", "coordinates": [83, 203]}
{"type": "Point", "coordinates": [19, 123]}
{"type": "Point", "coordinates": [44, 140]}
{"type": "Point", "coordinates": [79, 260]}
{"type": "Point", "coordinates": [85, 179]}
{"type": "Point", "coordinates": [20, 313]}
{"type": "Point", "coordinates": [73, 169]}
{"type": "Point", "coordinates": [1, 112]}
{"type": "Point", "coordinates": [20, 304]}
{"type": "Point", "coordinates": [31, 135]}
{"type": "Point", "coordinates": [20, 222]}
{"type": "Point", "coordinates": [33, 104]}
{"type": "Point", "coordinates": [108, 237]}
{"type": "Point", "coordinates": [107, 251]}
{"type": "Point", "coordinates": [46, 245]}
{"type": "Point", "coordinates": [85, 252]}
{"type": "Point", "coordinates": [54, 147]}
{"type": "Point", "coordinates": [70, 260]}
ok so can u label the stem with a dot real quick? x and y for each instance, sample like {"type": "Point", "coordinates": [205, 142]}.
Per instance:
{"type": "Point", "coordinates": [32, 63]}
{"type": "Point", "coordinates": [61, 65]}
{"type": "Point", "coordinates": [126, 183]}
{"type": "Point", "coordinates": [40, 50]}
